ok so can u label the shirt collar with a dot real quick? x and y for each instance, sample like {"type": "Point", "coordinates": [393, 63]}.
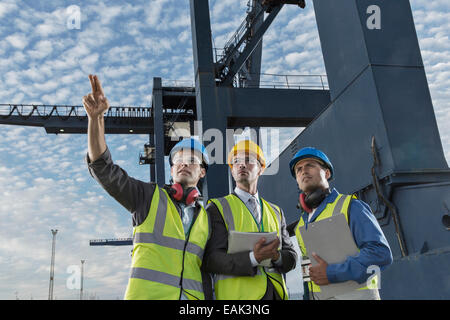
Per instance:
{"type": "Point", "coordinates": [245, 196]}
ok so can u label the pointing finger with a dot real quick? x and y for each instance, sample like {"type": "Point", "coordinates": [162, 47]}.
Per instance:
{"type": "Point", "coordinates": [99, 86]}
{"type": "Point", "coordinates": [93, 85]}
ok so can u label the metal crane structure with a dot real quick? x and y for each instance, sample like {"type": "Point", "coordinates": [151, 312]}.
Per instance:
{"type": "Point", "coordinates": [111, 242]}
{"type": "Point", "coordinates": [377, 126]}
{"type": "Point", "coordinates": [373, 116]}
{"type": "Point", "coordinates": [228, 82]}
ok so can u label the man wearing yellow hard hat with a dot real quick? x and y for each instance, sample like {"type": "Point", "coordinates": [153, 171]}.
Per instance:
{"type": "Point", "coordinates": [242, 276]}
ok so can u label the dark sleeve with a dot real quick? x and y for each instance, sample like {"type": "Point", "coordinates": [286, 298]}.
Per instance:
{"type": "Point", "coordinates": [288, 254]}
{"type": "Point", "coordinates": [216, 259]}
{"type": "Point", "coordinates": [134, 195]}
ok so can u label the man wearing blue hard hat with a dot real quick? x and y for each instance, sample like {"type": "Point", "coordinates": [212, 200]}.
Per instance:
{"type": "Point", "coordinates": [313, 170]}
{"type": "Point", "coordinates": [171, 228]}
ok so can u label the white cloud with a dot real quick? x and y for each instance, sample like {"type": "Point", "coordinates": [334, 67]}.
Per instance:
{"type": "Point", "coordinates": [47, 86]}
{"type": "Point", "coordinates": [117, 72]}
{"type": "Point", "coordinates": [88, 63]}
{"type": "Point", "coordinates": [59, 97]}
{"type": "Point", "coordinates": [95, 35]}
{"type": "Point", "coordinates": [295, 58]}
{"type": "Point", "coordinates": [6, 8]}
{"type": "Point", "coordinates": [41, 49]}
{"type": "Point", "coordinates": [153, 12]}
{"type": "Point", "coordinates": [18, 41]}
{"type": "Point", "coordinates": [54, 23]}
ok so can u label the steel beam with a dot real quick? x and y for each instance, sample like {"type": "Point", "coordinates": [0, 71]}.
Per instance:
{"type": "Point", "coordinates": [209, 112]}
{"type": "Point", "coordinates": [158, 136]}
{"type": "Point", "coordinates": [272, 107]}
{"type": "Point", "coordinates": [152, 165]}
{"type": "Point", "coordinates": [253, 64]}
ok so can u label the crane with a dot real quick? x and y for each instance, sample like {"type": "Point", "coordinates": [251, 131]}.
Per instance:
{"type": "Point", "coordinates": [111, 242]}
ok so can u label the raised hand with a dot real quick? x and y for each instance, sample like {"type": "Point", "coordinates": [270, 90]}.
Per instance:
{"type": "Point", "coordinates": [95, 103]}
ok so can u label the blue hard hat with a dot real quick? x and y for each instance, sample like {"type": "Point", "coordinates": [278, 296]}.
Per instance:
{"type": "Point", "coordinates": [191, 144]}
{"type": "Point", "coordinates": [310, 152]}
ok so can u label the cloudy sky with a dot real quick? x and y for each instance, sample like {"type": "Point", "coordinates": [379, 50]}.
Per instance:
{"type": "Point", "coordinates": [44, 182]}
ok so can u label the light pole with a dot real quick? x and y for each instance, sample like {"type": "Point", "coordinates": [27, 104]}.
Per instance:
{"type": "Point", "coordinates": [82, 272]}
{"type": "Point", "coordinates": [52, 266]}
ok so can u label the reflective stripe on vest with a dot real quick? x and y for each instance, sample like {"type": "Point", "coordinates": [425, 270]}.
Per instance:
{"type": "Point", "coordinates": [165, 278]}
{"type": "Point", "coordinates": [143, 237]}
{"type": "Point", "coordinates": [164, 262]}
{"type": "Point", "coordinates": [230, 287]}
{"type": "Point", "coordinates": [340, 206]}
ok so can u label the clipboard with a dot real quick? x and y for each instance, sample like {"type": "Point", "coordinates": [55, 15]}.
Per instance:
{"type": "Point", "coordinates": [245, 241]}
{"type": "Point", "coordinates": [332, 240]}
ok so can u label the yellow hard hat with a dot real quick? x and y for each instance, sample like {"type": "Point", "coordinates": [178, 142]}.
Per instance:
{"type": "Point", "coordinates": [247, 146]}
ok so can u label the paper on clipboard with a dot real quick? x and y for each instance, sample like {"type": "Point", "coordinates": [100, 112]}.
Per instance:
{"type": "Point", "coordinates": [245, 241]}
{"type": "Point", "coordinates": [332, 240]}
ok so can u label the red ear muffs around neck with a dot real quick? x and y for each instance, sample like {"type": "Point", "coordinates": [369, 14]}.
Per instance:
{"type": "Point", "coordinates": [188, 196]}
{"type": "Point", "coordinates": [177, 191]}
{"type": "Point", "coordinates": [191, 195]}
{"type": "Point", "coordinates": [303, 203]}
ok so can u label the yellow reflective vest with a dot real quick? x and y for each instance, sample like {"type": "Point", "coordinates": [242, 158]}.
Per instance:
{"type": "Point", "coordinates": [238, 218]}
{"type": "Point", "coordinates": [164, 263]}
{"type": "Point", "coordinates": [340, 206]}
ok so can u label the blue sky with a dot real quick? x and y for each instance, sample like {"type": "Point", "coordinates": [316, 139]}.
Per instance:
{"type": "Point", "coordinates": [44, 182]}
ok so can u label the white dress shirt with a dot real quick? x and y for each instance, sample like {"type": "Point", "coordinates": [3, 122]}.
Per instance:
{"type": "Point", "coordinates": [246, 198]}
{"type": "Point", "coordinates": [256, 212]}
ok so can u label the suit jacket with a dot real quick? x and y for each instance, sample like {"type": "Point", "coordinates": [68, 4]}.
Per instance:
{"type": "Point", "coordinates": [216, 259]}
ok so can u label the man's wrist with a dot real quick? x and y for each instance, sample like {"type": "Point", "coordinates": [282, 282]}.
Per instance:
{"type": "Point", "coordinates": [278, 260]}
{"type": "Point", "coordinates": [96, 117]}
{"type": "Point", "coordinates": [253, 260]}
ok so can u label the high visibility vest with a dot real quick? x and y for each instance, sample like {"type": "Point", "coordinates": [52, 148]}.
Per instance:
{"type": "Point", "coordinates": [164, 263]}
{"type": "Point", "coordinates": [238, 218]}
{"type": "Point", "coordinates": [340, 206]}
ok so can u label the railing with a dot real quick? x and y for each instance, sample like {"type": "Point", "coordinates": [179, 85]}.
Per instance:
{"type": "Point", "coordinates": [64, 112]}
{"type": "Point", "coordinates": [288, 81]}
{"type": "Point", "coordinates": [268, 80]}
{"type": "Point", "coordinates": [178, 83]}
